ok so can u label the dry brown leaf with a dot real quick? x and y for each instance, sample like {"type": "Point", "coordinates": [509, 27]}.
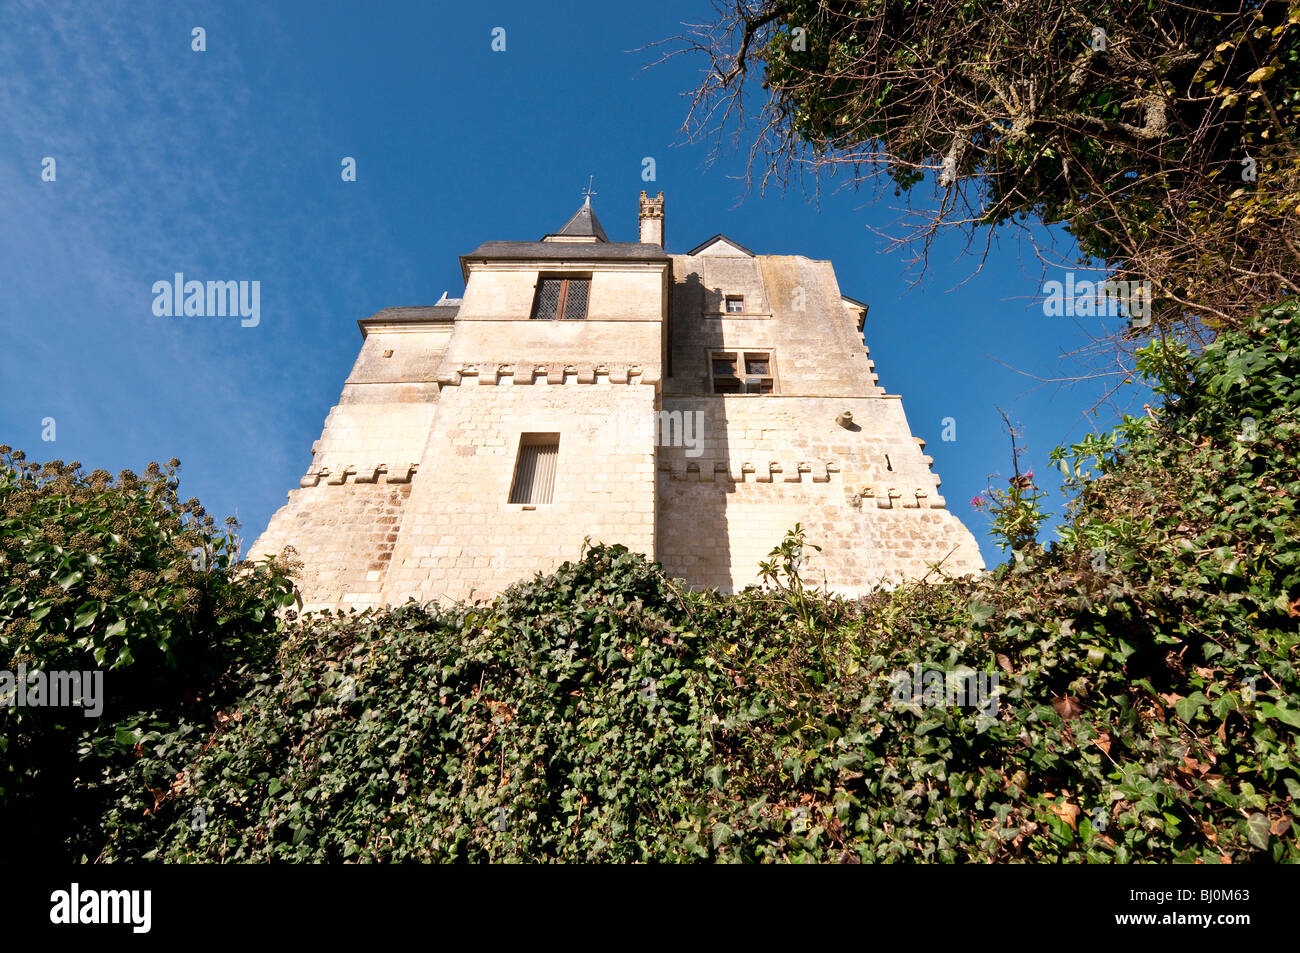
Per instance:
{"type": "Point", "coordinates": [1068, 813]}
{"type": "Point", "coordinates": [1067, 707]}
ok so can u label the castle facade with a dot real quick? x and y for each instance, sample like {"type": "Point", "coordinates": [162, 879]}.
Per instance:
{"type": "Point", "coordinates": [693, 407]}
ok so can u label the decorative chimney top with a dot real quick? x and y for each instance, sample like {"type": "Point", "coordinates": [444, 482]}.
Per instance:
{"type": "Point", "coordinates": [651, 219]}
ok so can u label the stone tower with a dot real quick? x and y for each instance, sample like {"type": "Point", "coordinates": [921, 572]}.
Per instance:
{"type": "Point", "coordinates": [692, 407]}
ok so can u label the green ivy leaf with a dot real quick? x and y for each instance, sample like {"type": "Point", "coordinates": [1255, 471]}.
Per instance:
{"type": "Point", "coordinates": [1257, 830]}
{"type": "Point", "coordinates": [1289, 715]}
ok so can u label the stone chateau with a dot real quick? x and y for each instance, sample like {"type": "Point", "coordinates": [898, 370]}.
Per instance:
{"type": "Point", "coordinates": [693, 407]}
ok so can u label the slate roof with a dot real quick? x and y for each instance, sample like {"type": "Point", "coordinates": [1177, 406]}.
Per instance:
{"type": "Point", "coordinates": [444, 311]}
{"type": "Point", "coordinates": [562, 251]}
{"type": "Point", "coordinates": [584, 224]}
{"type": "Point", "coordinates": [730, 241]}
{"type": "Point", "coordinates": [862, 318]}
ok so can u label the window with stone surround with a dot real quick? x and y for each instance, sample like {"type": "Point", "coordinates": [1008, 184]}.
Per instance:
{"type": "Point", "coordinates": [741, 372]}
{"type": "Point", "coordinates": [534, 480]}
{"type": "Point", "coordinates": [735, 304]}
{"type": "Point", "coordinates": [562, 297]}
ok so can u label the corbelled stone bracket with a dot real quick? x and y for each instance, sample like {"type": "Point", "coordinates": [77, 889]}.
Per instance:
{"type": "Point", "coordinates": [368, 474]}
{"type": "Point", "coordinates": [773, 472]}
{"type": "Point", "coordinates": [916, 498]}
{"type": "Point", "coordinates": [526, 373]}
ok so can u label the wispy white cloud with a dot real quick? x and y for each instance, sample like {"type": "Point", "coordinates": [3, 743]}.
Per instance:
{"type": "Point", "coordinates": [167, 160]}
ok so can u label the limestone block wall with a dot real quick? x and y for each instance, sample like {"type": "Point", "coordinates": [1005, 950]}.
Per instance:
{"type": "Point", "coordinates": [624, 319]}
{"type": "Point", "coordinates": [343, 518]}
{"type": "Point", "coordinates": [344, 535]}
{"type": "Point", "coordinates": [460, 536]}
{"type": "Point", "coordinates": [361, 436]}
{"type": "Point", "coordinates": [628, 291]}
{"type": "Point", "coordinates": [866, 495]}
{"type": "Point", "coordinates": [793, 308]}
{"type": "Point", "coordinates": [555, 343]}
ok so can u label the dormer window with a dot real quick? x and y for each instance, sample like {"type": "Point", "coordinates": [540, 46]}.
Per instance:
{"type": "Point", "coordinates": [741, 372]}
{"type": "Point", "coordinates": [735, 304]}
{"type": "Point", "coordinates": [561, 298]}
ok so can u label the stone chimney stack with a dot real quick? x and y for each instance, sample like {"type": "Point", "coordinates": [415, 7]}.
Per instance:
{"type": "Point", "coordinates": [651, 218]}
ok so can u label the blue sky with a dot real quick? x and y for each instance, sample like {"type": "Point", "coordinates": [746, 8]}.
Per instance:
{"type": "Point", "coordinates": [226, 164]}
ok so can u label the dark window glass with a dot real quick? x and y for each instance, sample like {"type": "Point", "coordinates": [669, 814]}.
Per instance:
{"type": "Point", "coordinates": [575, 303]}
{"type": "Point", "coordinates": [548, 297]}
{"type": "Point", "coordinates": [562, 298]}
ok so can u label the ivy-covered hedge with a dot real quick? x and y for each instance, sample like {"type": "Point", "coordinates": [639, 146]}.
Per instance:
{"type": "Point", "coordinates": [1149, 707]}
{"type": "Point", "coordinates": [1148, 703]}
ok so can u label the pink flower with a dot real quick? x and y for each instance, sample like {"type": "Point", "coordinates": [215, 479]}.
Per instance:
{"type": "Point", "coordinates": [976, 502]}
{"type": "Point", "coordinates": [1029, 475]}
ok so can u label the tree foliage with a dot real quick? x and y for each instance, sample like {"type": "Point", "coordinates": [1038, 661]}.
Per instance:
{"type": "Point", "coordinates": [116, 576]}
{"type": "Point", "coordinates": [1163, 136]}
